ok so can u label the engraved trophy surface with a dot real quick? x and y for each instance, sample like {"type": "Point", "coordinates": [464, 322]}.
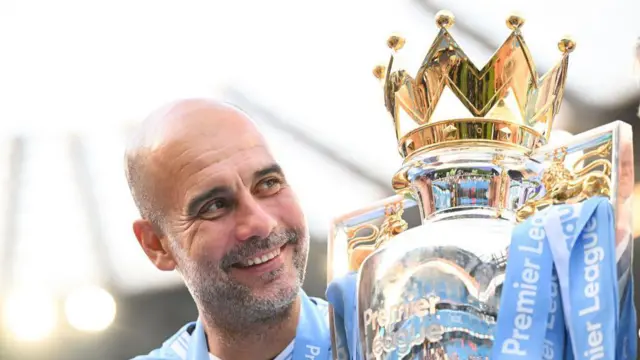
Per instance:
{"type": "Point", "coordinates": [433, 291]}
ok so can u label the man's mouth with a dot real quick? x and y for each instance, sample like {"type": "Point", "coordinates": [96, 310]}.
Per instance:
{"type": "Point", "coordinates": [260, 258]}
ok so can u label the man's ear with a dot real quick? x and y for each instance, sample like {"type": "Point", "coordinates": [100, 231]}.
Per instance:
{"type": "Point", "coordinates": [151, 243]}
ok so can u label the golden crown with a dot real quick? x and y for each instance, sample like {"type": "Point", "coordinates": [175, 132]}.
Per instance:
{"type": "Point", "coordinates": [508, 103]}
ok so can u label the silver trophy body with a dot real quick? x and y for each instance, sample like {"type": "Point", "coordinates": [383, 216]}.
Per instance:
{"type": "Point", "coordinates": [432, 290]}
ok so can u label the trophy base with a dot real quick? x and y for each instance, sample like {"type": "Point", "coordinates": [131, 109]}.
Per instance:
{"type": "Point", "coordinates": [434, 290]}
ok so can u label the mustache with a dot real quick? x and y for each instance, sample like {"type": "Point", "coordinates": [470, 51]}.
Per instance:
{"type": "Point", "coordinates": [253, 246]}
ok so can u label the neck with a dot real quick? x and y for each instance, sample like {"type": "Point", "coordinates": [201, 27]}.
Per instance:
{"type": "Point", "coordinates": [260, 341]}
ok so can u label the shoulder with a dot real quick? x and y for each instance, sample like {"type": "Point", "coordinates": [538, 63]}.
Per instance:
{"type": "Point", "coordinates": [174, 348]}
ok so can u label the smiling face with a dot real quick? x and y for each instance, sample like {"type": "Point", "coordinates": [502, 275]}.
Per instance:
{"type": "Point", "coordinates": [232, 224]}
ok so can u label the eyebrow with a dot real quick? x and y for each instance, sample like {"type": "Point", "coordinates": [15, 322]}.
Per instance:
{"type": "Point", "coordinates": [194, 204]}
{"type": "Point", "coordinates": [275, 168]}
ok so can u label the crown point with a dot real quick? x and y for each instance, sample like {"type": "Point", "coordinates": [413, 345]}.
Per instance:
{"type": "Point", "coordinates": [379, 71]}
{"type": "Point", "coordinates": [445, 19]}
{"type": "Point", "coordinates": [515, 21]}
{"type": "Point", "coordinates": [395, 42]}
{"type": "Point", "coordinates": [566, 45]}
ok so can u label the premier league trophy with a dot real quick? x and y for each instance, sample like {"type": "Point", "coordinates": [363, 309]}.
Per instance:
{"type": "Point", "coordinates": [516, 256]}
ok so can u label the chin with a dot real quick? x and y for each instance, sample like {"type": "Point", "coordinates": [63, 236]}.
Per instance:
{"type": "Point", "coordinates": [279, 285]}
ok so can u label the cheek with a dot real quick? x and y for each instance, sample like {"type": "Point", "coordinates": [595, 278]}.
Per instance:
{"type": "Point", "coordinates": [288, 211]}
{"type": "Point", "coordinates": [211, 241]}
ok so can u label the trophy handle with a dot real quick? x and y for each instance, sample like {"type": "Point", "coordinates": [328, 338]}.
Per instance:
{"type": "Point", "coordinates": [598, 162]}
{"type": "Point", "coordinates": [353, 236]}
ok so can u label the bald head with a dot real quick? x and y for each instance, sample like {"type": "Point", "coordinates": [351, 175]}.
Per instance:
{"type": "Point", "coordinates": [190, 115]}
{"type": "Point", "coordinates": [171, 131]}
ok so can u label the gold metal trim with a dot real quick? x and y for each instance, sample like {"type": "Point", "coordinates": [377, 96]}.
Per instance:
{"type": "Point", "coordinates": [573, 185]}
{"type": "Point", "coordinates": [359, 247]}
{"type": "Point", "coordinates": [338, 225]}
{"type": "Point", "coordinates": [469, 131]}
{"type": "Point", "coordinates": [508, 87]}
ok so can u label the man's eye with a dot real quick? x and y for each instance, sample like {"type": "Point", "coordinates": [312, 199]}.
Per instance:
{"type": "Point", "coordinates": [214, 207]}
{"type": "Point", "coordinates": [269, 186]}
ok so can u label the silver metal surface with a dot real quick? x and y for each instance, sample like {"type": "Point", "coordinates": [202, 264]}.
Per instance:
{"type": "Point", "coordinates": [435, 289]}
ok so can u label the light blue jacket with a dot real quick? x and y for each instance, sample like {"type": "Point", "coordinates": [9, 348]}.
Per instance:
{"type": "Point", "coordinates": [190, 342]}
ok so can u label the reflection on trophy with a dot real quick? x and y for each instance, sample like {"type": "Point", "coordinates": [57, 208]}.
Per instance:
{"type": "Point", "coordinates": [432, 291]}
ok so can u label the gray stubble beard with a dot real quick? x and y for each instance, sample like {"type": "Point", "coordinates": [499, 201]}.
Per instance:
{"type": "Point", "coordinates": [230, 306]}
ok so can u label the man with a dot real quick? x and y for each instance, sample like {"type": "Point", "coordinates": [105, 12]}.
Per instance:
{"type": "Point", "coordinates": [216, 207]}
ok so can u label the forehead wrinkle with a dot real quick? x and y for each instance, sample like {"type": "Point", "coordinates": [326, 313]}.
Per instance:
{"type": "Point", "coordinates": [209, 164]}
{"type": "Point", "coordinates": [186, 156]}
{"type": "Point", "coordinates": [191, 170]}
{"type": "Point", "coordinates": [185, 137]}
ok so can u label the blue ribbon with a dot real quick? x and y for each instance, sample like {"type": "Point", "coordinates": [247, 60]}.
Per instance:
{"type": "Point", "coordinates": [555, 338]}
{"type": "Point", "coordinates": [526, 293]}
{"type": "Point", "coordinates": [583, 245]}
{"type": "Point", "coordinates": [341, 294]}
{"type": "Point", "coordinates": [592, 274]}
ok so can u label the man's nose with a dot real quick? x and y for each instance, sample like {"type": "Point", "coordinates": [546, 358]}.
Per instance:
{"type": "Point", "coordinates": [253, 220]}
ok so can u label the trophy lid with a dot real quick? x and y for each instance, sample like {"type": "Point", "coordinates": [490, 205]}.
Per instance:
{"type": "Point", "coordinates": [509, 104]}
